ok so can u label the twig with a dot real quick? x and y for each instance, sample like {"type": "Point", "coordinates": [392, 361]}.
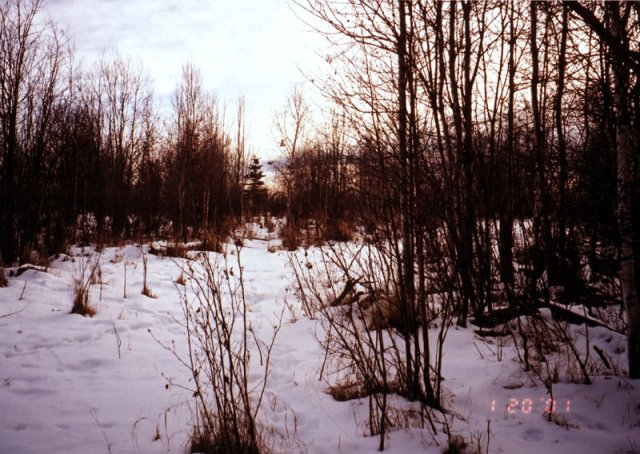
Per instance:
{"type": "Point", "coordinates": [345, 292]}
{"type": "Point", "coordinates": [125, 281]}
{"type": "Point", "coordinates": [602, 356]}
{"type": "Point", "coordinates": [118, 340]}
{"type": "Point", "coordinates": [479, 352]}
{"type": "Point", "coordinates": [106, 439]}
{"type": "Point", "coordinates": [23, 290]}
{"type": "Point", "coordinates": [100, 277]}
{"type": "Point", "coordinates": [12, 313]}
{"type": "Point", "coordinates": [326, 353]}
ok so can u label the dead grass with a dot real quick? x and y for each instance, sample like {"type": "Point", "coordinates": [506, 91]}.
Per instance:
{"type": "Point", "coordinates": [384, 311]}
{"type": "Point", "coordinates": [156, 435]}
{"type": "Point", "coordinates": [356, 388]}
{"type": "Point", "coordinates": [146, 291]}
{"type": "Point", "coordinates": [213, 243]}
{"type": "Point", "coordinates": [222, 441]}
{"type": "Point", "coordinates": [344, 392]}
{"type": "Point", "coordinates": [81, 304]}
{"type": "Point", "coordinates": [85, 276]}
{"type": "Point", "coordinates": [96, 276]}
{"type": "Point", "coordinates": [176, 250]}
{"type": "Point", "coordinates": [181, 279]}
{"type": "Point", "coordinates": [291, 239]}
{"type": "Point", "coordinates": [457, 445]}
{"type": "Point", "coordinates": [269, 224]}
{"type": "Point", "coordinates": [339, 231]}
{"type": "Point", "coordinates": [34, 257]}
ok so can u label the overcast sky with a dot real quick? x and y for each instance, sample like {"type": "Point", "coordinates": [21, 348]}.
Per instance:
{"type": "Point", "coordinates": [242, 47]}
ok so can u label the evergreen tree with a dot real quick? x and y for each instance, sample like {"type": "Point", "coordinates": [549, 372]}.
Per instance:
{"type": "Point", "coordinates": [254, 186]}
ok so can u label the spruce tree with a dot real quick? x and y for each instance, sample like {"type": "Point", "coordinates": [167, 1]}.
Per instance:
{"type": "Point", "coordinates": [254, 186]}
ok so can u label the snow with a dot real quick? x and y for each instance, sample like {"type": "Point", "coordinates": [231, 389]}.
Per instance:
{"type": "Point", "coordinates": [70, 384]}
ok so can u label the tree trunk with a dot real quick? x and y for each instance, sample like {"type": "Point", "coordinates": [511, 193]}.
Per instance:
{"type": "Point", "coordinates": [542, 229]}
{"type": "Point", "coordinates": [625, 180]}
{"type": "Point", "coordinates": [406, 268]}
{"type": "Point", "coordinates": [506, 209]}
{"type": "Point", "coordinates": [562, 147]}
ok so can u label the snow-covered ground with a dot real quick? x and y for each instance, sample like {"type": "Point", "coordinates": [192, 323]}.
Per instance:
{"type": "Point", "coordinates": [70, 384]}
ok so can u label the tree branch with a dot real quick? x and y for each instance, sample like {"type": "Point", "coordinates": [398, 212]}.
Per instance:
{"type": "Point", "coordinates": [621, 50]}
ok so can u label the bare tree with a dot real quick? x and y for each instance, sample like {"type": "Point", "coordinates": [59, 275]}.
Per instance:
{"type": "Point", "coordinates": [292, 123]}
{"type": "Point", "coordinates": [615, 34]}
{"type": "Point", "coordinates": [197, 159]}
{"type": "Point", "coordinates": [124, 102]}
{"type": "Point", "coordinates": [33, 57]}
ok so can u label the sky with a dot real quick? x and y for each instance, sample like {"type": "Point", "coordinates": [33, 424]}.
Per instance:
{"type": "Point", "coordinates": [250, 48]}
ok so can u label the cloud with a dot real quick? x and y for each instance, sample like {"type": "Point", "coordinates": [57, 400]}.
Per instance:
{"type": "Point", "coordinates": [242, 47]}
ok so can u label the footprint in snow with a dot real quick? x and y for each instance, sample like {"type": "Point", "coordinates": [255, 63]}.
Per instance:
{"type": "Point", "coordinates": [533, 435]}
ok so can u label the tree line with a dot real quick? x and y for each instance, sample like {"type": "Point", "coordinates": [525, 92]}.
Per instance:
{"type": "Point", "coordinates": [85, 155]}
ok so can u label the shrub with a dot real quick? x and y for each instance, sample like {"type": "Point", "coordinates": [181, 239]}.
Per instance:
{"type": "Point", "coordinates": [225, 416]}
{"type": "Point", "coordinates": [351, 290]}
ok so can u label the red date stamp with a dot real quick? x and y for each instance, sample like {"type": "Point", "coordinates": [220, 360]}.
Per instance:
{"type": "Point", "coordinates": [527, 405]}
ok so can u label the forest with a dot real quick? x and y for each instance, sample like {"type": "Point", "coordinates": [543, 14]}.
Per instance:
{"type": "Point", "coordinates": [476, 163]}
